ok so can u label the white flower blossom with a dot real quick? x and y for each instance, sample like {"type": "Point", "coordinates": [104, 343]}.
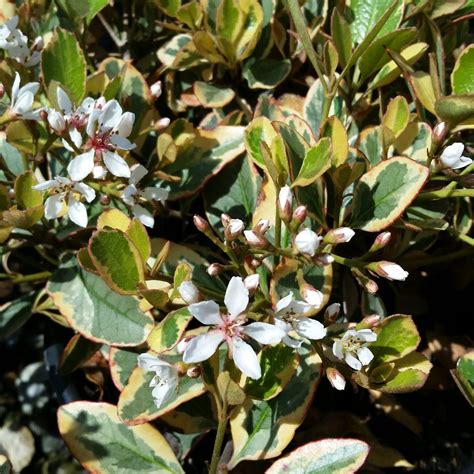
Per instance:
{"type": "Point", "coordinates": [166, 379]}
{"type": "Point", "coordinates": [15, 43]}
{"type": "Point", "coordinates": [189, 292]}
{"type": "Point", "coordinates": [108, 129]}
{"type": "Point", "coordinates": [289, 317]}
{"type": "Point", "coordinates": [229, 327]}
{"type": "Point", "coordinates": [22, 99]}
{"type": "Point", "coordinates": [307, 242]}
{"type": "Point", "coordinates": [352, 347]}
{"type": "Point", "coordinates": [133, 195]}
{"type": "Point", "coordinates": [452, 157]}
{"type": "Point", "coordinates": [66, 194]}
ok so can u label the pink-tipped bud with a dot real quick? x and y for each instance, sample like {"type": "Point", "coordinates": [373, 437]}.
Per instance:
{"type": "Point", "coordinates": [371, 286]}
{"type": "Point", "coordinates": [389, 270]}
{"type": "Point", "coordinates": [104, 200]}
{"type": "Point", "coordinates": [38, 44]}
{"type": "Point", "coordinates": [300, 214]}
{"type": "Point", "coordinates": [251, 282]}
{"type": "Point", "coordinates": [233, 229]}
{"type": "Point", "coordinates": [2, 90]}
{"type": "Point", "coordinates": [369, 322]}
{"type": "Point", "coordinates": [262, 226]}
{"type": "Point", "coordinates": [189, 292]}
{"type": "Point", "coordinates": [332, 312]}
{"type": "Point", "coordinates": [311, 295]}
{"type": "Point", "coordinates": [255, 240]}
{"type": "Point", "coordinates": [255, 263]}
{"type": "Point", "coordinates": [201, 224]}
{"type": "Point", "coordinates": [162, 123]}
{"type": "Point", "coordinates": [323, 259]}
{"type": "Point", "coordinates": [439, 133]}
{"type": "Point", "coordinates": [156, 89]}
{"type": "Point", "coordinates": [225, 219]}
{"type": "Point", "coordinates": [194, 372]}
{"type": "Point", "coordinates": [339, 236]}
{"type": "Point", "coordinates": [285, 203]}
{"type": "Point", "coordinates": [56, 121]}
{"type": "Point", "coordinates": [215, 269]}
{"type": "Point", "coordinates": [381, 240]}
{"type": "Point", "coordinates": [336, 379]}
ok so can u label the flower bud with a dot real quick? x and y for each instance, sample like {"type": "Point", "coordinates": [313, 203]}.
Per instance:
{"type": "Point", "coordinates": [467, 181]}
{"type": "Point", "coordinates": [285, 203]}
{"type": "Point", "coordinates": [439, 133]}
{"type": "Point", "coordinates": [156, 89]}
{"type": "Point", "coordinates": [233, 229]}
{"type": "Point", "coordinates": [371, 286]}
{"type": "Point", "coordinates": [181, 368]}
{"type": "Point", "coordinates": [300, 214]}
{"type": "Point", "coordinates": [43, 115]}
{"type": "Point", "coordinates": [225, 219]}
{"type": "Point", "coordinates": [262, 226]}
{"type": "Point", "coordinates": [255, 240]}
{"type": "Point", "coordinates": [382, 240]}
{"type": "Point", "coordinates": [307, 242]}
{"type": "Point", "coordinates": [332, 312]}
{"type": "Point", "coordinates": [336, 379]}
{"type": "Point", "coordinates": [389, 270]}
{"type": "Point", "coordinates": [104, 200]}
{"type": "Point", "coordinates": [162, 123]}
{"type": "Point", "coordinates": [311, 295]}
{"type": "Point", "coordinates": [194, 371]}
{"type": "Point", "coordinates": [2, 90]}
{"type": "Point", "coordinates": [201, 224]}
{"type": "Point", "coordinates": [189, 292]}
{"type": "Point", "coordinates": [56, 121]}
{"type": "Point", "coordinates": [340, 235]}
{"type": "Point", "coordinates": [215, 269]}
{"type": "Point", "coordinates": [38, 44]}
{"type": "Point", "coordinates": [370, 322]}
{"type": "Point", "coordinates": [323, 259]}
{"type": "Point", "coordinates": [251, 282]}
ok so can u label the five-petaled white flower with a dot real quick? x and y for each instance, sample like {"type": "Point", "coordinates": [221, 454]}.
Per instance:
{"type": "Point", "coordinates": [22, 99]}
{"type": "Point", "coordinates": [15, 43]}
{"type": "Point", "coordinates": [229, 327]}
{"type": "Point", "coordinates": [352, 347]}
{"type": "Point", "coordinates": [64, 193]}
{"type": "Point", "coordinates": [108, 129]}
{"type": "Point", "coordinates": [133, 195]}
{"type": "Point", "coordinates": [452, 156]}
{"type": "Point", "coordinates": [166, 379]}
{"type": "Point", "coordinates": [289, 317]}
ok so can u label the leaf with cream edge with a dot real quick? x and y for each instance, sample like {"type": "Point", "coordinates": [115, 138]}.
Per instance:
{"type": "Point", "coordinates": [455, 108]}
{"type": "Point", "coordinates": [385, 192]}
{"type": "Point", "coordinates": [263, 429]}
{"type": "Point", "coordinates": [102, 443]}
{"type": "Point", "coordinates": [111, 252]}
{"type": "Point", "coordinates": [265, 73]}
{"type": "Point", "coordinates": [415, 142]}
{"type": "Point", "coordinates": [463, 375]}
{"type": "Point", "coordinates": [332, 455]}
{"type": "Point", "coordinates": [76, 353]}
{"type": "Point", "coordinates": [136, 405]}
{"type": "Point", "coordinates": [94, 310]}
{"type": "Point", "coordinates": [169, 331]}
{"type": "Point", "coordinates": [211, 96]}
{"type": "Point", "coordinates": [122, 362]}
{"type": "Point", "coordinates": [114, 219]}
{"type": "Point", "coordinates": [461, 77]}
{"type": "Point", "coordinates": [315, 163]}
{"type": "Point", "coordinates": [397, 115]}
{"type": "Point", "coordinates": [259, 130]}
{"type": "Point", "coordinates": [27, 197]}
{"type": "Point", "coordinates": [338, 135]}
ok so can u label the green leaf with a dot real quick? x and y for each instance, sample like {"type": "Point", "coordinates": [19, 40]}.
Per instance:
{"type": "Point", "coordinates": [259, 130]}
{"type": "Point", "coordinates": [11, 158]}
{"type": "Point", "coordinates": [278, 364]}
{"type": "Point", "coordinates": [191, 15]}
{"type": "Point", "coordinates": [211, 96]}
{"type": "Point", "coordinates": [77, 351]}
{"type": "Point", "coordinates": [371, 144]}
{"type": "Point", "coordinates": [263, 429]}
{"type": "Point", "coordinates": [424, 90]}
{"type": "Point", "coordinates": [463, 72]}
{"type": "Point", "coordinates": [27, 197]}
{"type": "Point", "coordinates": [14, 314]}
{"type": "Point", "coordinates": [341, 456]}
{"type": "Point", "coordinates": [366, 13]}
{"type": "Point", "coordinates": [455, 108]}
{"type": "Point", "coordinates": [340, 145]}
{"type": "Point", "coordinates": [415, 142]}
{"type": "Point", "coordinates": [316, 162]}
{"type": "Point", "coordinates": [233, 191]}
{"type": "Point", "coordinates": [464, 376]}
{"type": "Point", "coordinates": [341, 35]}
{"type": "Point", "coordinates": [112, 252]}
{"type": "Point", "coordinates": [102, 443]}
{"type": "Point", "coordinates": [169, 331]}
{"type": "Point", "coordinates": [397, 336]}
{"type": "Point", "coordinates": [397, 115]}
{"type": "Point", "coordinates": [62, 60]}
{"type": "Point", "coordinates": [385, 192]}
{"type": "Point", "coordinates": [136, 405]}
{"type": "Point", "coordinates": [122, 363]}
{"type": "Point", "coordinates": [168, 52]}
{"type": "Point", "coordinates": [138, 235]}
{"type": "Point", "coordinates": [95, 311]}
{"type": "Point", "coordinates": [265, 73]}
{"type": "Point", "coordinates": [95, 6]}
{"type": "Point", "coordinates": [170, 7]}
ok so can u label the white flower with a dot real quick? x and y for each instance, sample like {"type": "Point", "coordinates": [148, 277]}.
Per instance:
{"type": "Point", "coordinates": [230, 328]}
{"type": "Point", "coordinates": [108, 129]}
{"type": "Point", "coordinates": [189, 292]}
{"type": "Point", "coordinates": [15, 43]}
{"type": "Point", "coordinates": [165, 382]}
{"type": "Point", "coordinates": [452, 157]}
{"type": "Point", "coordinates": [389, 270]}
{"type": "Point", "coordinates": [289, 317]}
{"type": "Point", "coordinates": [64, 193]}
{"type": "Point", "coordinates": [22, 99]}
{"type": "Point", "coordinates": [352, 347]}
{"type": "Point", "coordinates": [307, 242]}
{"type": "Point", "coordinates": [133, 195]}
{"type": "Point", "coordinates": [311, 295]}
{"type": "Point", "coordinates": [56, 121]}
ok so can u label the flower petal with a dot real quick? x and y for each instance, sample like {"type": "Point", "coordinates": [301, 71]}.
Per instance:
{"type": "Point", "coordinates": [284, 302]}
{"type": "Point", "coordinates": [137, 173]}
{"type": "Point", "coordinates": [338, 349]}
{"type": "Point", "coordinates": [125, 125]}
{"type": "Point", "coordinates": [77, 212]}
{"type": "Point", "coordinates": [64, 101]}
{"type": "Point", "coordinates": [206, 312]}
{"type": "Point", "coordinates": [85, 190]}
{"type": "Point", "coordinates": [76, 137]}
{"type": "Point", "coordinates": [290, 342]}
{"type": "Point", "coordinates": [81, 166]}
{"type": "Point", "coordinates": [236, 297]}
{"type": "Point", "coordinates": [143, 215]}
{"type": "Point", "coordinates": [365, 355]}
{"type": "Point", "coordinates": [53, 206]}
{"type": "Point", "coordinates": [122, 142]}
{"type": "Point", "coordinates": [264, 333]}
{"type": "Point", "coordinates": [110, 115]}
{"type": "Point", "coordinates": [150, 363]}
{"type": "Point", "coordinates": [367, 335]}
{"type": "Point", "coordinates": [155, 194]}
{"type": "Point", "coordinates": [50, 183]}
{"type": "Point", "coordinates": [245, 358]}
{"type": "Point", "coordinates": [116, 164]}
{"type": "Point", "coordinates": [310, 328]}
{"type": "Point", "coordinates": [200, 348]}
{"type": "Point", "coordinates": [352, 362]}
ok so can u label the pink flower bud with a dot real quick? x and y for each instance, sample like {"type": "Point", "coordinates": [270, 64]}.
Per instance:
{"type": "Point", "coordinates": [255, 240]}
{"type": "Point", "coordinates": [307, 242]}
{"type": "Point", "coordinates": [382, 240]}
{"type": "Point", "coordinates": [251, 282]}
{"type": "Point", "coordinates": [339, 236]}
{"type": "Point", "coordinates": [201, 224]}
{"type": "Point", "coordinates": [189, 292]}
{"type": "Point", "coordinates": [43, 115]}
{"type": "Point", "coordinates": [389, 270]}
{"type": "Point", "coordinates": [332, 312]}
{"type": "Point", "coordinates": [2, 90]}
{"type": "Point", "coordinates": [285, 203]}
{"type": "Point", "coordinates": [262, 226]}
{"type": "Point", "coordinates": [215, 269]}
{"type": "Point", "coordinates": [194, 372]}
{"type": "Point", "coordinates": [439, 133]}
{"type": "Point", "coordinates": [311, 295]}
{"type": "Point", "coordinates": [156, 89]}
{"type": "Point", "coordinates": [225, 219]}
{"type": "Point", "coordinates": [38, 44]}
{"type": "Point", "coordinates": [300, 214]}
{"type": "Point", "coordinates": [370, 322]}
{"type": "Point", "coordinates": [324, 259]}
{"type": "Point", "coordinates": [233, 229]}
{"type": "Point", "coordinates": [336, 379]}
{"type": "Point", "coordinates": [371, 286]}
{"type": "Point", "coordinates": [162, 123]}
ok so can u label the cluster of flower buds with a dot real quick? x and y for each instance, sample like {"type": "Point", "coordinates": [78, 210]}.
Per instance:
{"type": "Point", "coordinates": [15, 43]}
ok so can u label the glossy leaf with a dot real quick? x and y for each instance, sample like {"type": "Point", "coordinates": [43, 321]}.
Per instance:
{"type": "Point", "coordinates": [77, 351]}
{"type": "Point", "coordinates": [455, 108]}
{"type": "Point", "coordinates": [464, 376]}
{"type": "Point", "coordinates": [169, 331]}
{"type": "Point", "coordinates": [317, 161]}
{"type": "Point", "coordinates": [211, 96]}
{"type": "Point", "coordinates": [461, 77]}
{"type": "Point", "coordinates": [14, 314]}
{"type": "Point", "coordinates": [122, 363]}
{"type": "Point", "coordinates": [265, 73]}
{"type": "Point", "coordinates": [260, 130]}
{"type": "Point", "coordinates": [25, 195]}
{"type": "Point", "coordinates": [397, 115]}
{"type": "Point", "coordinates": [340, 146]}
